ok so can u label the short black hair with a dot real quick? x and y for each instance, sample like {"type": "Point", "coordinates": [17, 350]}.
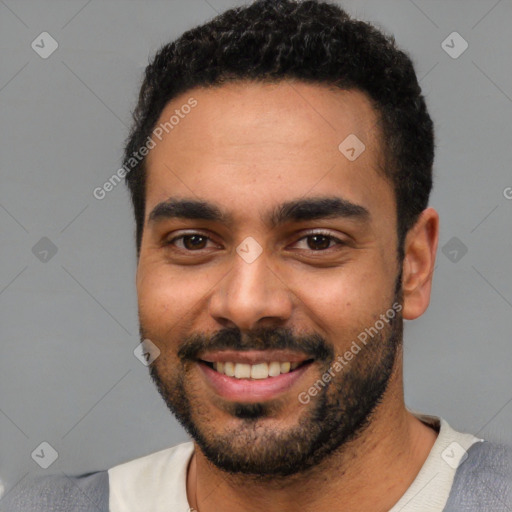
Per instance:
{"type": "Point", "coordinates": [312, 41]}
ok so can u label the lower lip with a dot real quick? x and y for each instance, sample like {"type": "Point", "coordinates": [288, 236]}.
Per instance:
{"type": "Point", "coordinates": [246, 390]}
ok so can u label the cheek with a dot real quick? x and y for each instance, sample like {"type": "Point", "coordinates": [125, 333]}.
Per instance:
{"type": "Point", "coordinates": [172, 299]}
{"type": "Point", "coordinates": [163, 298]}
{"type": "Point", "coordinates": [344, 298]}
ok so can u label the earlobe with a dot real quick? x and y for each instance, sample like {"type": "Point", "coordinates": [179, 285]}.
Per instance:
{"type": "Point", "coordinates": [418, 265]}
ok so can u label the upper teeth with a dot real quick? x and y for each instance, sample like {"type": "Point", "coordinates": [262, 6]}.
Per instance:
{"type": "Point", "coordinates": [254, 371]}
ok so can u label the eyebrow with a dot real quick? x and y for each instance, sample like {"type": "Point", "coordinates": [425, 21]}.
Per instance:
{"type": "Point", "coordinates": [311, 208]}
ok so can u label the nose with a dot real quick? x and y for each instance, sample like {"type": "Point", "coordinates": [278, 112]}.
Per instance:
{"type": "Point", "coordinates": [251, 295]}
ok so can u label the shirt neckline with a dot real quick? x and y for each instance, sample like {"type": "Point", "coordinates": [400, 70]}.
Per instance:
{"type": "Point", "coordinates": [158, 482]}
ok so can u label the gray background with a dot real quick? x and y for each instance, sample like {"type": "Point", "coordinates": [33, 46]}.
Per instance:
{"type": "Point", "coordinates": [68, 375]}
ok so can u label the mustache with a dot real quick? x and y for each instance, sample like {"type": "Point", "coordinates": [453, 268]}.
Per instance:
{"type": "Point", "coordinates": [313, 345]}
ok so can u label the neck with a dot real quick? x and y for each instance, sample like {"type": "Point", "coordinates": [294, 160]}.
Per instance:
{"type": "Point", "coordinates": [371, 472]}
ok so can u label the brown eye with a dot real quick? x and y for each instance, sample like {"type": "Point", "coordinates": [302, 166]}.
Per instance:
{"type": "Point", "coordinates": [192, 242]}
{"type": "Point", "coordinates": [318, 242]}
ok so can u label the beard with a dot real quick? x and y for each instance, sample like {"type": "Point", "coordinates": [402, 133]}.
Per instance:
{"type": "Point", "coordinates": [254, 444]}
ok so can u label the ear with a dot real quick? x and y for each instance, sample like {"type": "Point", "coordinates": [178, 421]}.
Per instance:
{"type": "Point", "coordinates": [418, 267]}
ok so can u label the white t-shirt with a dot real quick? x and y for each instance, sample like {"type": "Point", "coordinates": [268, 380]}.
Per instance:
{"type": "Point", "coordinates": [157, 482]}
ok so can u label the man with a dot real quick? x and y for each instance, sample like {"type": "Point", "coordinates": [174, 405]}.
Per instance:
{"type": "Point", "coordinates": [280, 166]}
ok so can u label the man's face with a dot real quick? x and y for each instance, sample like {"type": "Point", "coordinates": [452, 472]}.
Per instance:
{"type": "Point", "coordinates": [294, 260]}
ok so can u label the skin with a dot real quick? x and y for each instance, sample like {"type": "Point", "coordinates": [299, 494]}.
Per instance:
{"type": "Point", "coordinates": [247, 147]}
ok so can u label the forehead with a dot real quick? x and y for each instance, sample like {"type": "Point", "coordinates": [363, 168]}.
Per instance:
{"type": "Point", "coordinates": [263, 142]}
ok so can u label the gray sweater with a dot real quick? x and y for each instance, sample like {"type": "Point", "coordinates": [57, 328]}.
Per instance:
{"type": "Point", "coordinates": [482, 483]}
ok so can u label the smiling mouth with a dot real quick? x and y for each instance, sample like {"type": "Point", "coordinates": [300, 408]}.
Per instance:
{"type": "Point", "coordinates": [259, 371]}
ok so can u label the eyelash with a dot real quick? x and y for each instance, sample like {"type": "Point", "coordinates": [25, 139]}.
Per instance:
{"type": "Point", "coordinates": [321, 233]}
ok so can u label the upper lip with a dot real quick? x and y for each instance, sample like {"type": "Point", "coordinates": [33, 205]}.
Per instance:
{"type": "Point", "coordinates": [253, 356]}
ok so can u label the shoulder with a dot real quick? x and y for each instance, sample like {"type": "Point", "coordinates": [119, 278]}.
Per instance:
{"type": "Point", "coordinates": [483, 481]}
{"type": "Point", "coordinates": [126, 485]}
{"type": "Point", "coordinates": [149, 482]}
{"type": "Point", "coordinates": [59, 493]}
{"type": "Point", "coordinates": [172, 457]}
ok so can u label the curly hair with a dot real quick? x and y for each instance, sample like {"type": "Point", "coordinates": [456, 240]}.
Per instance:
{"type": "Point", "coordinates": [313, 41]}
